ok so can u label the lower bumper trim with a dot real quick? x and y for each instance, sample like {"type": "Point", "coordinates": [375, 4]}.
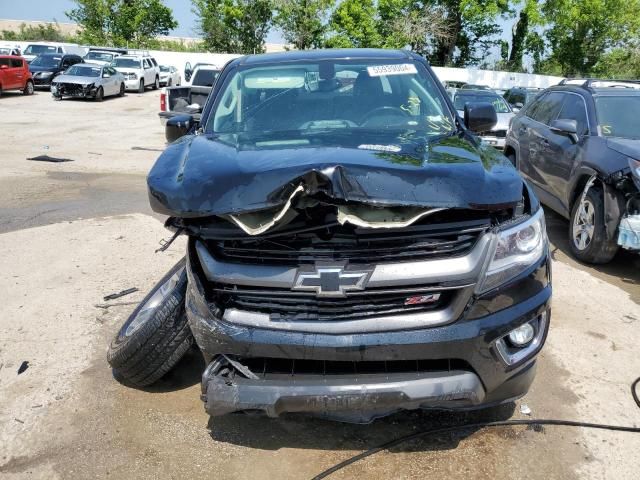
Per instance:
{"type": "Point", "coordinates": [347, 398]}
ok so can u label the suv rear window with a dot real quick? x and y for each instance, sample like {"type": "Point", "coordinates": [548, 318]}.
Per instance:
{"type": "Point", "coordinates": [618, 115]}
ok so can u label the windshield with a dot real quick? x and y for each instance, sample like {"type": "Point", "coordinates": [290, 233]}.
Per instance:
{"type": "Point", "coordinates": [164, 69]}
{"type": "Point", "coordinates": [47, 61]}
{"type": "Point", "coordinates": [618, 116]}
{"type": "Point", "coordinates": [126, 63]}
{"type": "Point", "coordinates": [302, 99]}
{"type": "Point", "coordinates": [84, 71]}
{"type": "Point", "coordinates": [205, 78]}
{"type": "Point", "coordinates": [100, 56]}
{"type": "Point", "coordinates": [39, 49]}
{"type": "Point", "coordinates": [498, 102]}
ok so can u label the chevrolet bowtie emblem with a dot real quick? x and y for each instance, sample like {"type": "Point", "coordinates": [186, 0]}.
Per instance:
{"type": "Point", "coordinates": [331, 280]}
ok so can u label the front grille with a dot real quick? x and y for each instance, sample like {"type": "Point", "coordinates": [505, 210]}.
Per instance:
{"type": "Point", "coordinates": [355, 245]}
{"type": "Point", "coordinates": [499, 133]}
{"type": "Point", "coordinates": [290, 305]}
{"type": "Point", "coordinates": [72, 89]}
{"type": "Point", "coordinates": [282, 366]}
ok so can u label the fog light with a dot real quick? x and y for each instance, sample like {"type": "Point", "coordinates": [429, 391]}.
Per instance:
{"type": "Point", "coordinates": [522, 335]}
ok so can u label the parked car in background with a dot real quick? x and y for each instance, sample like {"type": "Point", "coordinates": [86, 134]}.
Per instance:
{"type": "Point", "coordinates": [518, 97]}
{"type": "Point", "coordinates": [496, 136]}
{"type": "Point", "coordinates": [473, 86]}
{"type": "Point", "coordinates": [88, 80]}
{"type": "Point", "coordinates": [15, 74]}
{"type": "Point", "coordinates": [190, 99]}
{"type": "Point", "coordinates": [47, 66]}
{"type": "Point", "coordinates": [101, 57]}
{"type": "Point", "coordinates": [140, 71]}
{"type": "Point", "coordinates": [169, 76]}
{"type": "Point", "coordinates": [579, 147]}
{"type": "Point", "coordinates": [15, 51]}
{"type": "Point", "coordinates": [33, 50]}
{"type": "Point", "coordinates": [189, 70]}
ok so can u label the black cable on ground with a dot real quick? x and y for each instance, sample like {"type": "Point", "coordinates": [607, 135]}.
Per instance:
{"type": "Point", "coordinates": [424, 433]}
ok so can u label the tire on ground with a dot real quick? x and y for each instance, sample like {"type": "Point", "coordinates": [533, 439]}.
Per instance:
{"type": "Point", "coordinates": [146, 355]}
{"type": "Point", "coordinates": [600, 250]}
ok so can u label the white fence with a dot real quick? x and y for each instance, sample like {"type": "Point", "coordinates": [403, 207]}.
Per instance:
{"type": "Point", "coordinates": [470, 75]}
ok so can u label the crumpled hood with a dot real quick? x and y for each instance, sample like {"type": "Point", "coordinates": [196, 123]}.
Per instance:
{"type": "Point", "coordinates": [625, 146]}
{"type": "Point", "coordinates": [76, 79]}
{"type": "Point", "coordinates": [199, 176]}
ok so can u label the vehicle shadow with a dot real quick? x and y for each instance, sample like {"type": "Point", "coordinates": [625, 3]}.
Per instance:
{"type": "Point", "coordinates": [307, 432]}
{"type": "Point", "coordinates": [623, 270]}
{"type": "Point", "coordinates": [186, 373]}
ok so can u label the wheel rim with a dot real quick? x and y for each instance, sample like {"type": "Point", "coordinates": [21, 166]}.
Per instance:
{"type": "Point", "coordinates": [583, 225]}
{"type": "Point", "coordinates": [151, 305]}
{"type": "Point", "coordinates": [29, 88]}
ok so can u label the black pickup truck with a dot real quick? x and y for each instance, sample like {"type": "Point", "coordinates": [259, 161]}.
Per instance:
{"type": "Point", "coordinates": [353, 248]}
{"type": "Point", "coordinates": [188, 99]}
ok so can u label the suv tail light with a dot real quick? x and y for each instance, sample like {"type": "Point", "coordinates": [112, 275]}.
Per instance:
{"type": "Point", "coordinates": [163, 102]}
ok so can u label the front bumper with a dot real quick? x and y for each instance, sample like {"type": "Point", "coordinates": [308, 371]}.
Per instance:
{"type": "Point", "coordinates": [73, 90]}
{"type": "Point", "coordinates": [496, 142]}
{"type": "Point", "coordinates": [477, 376]}
{"type": "Point", "coordinates": [131, 84]}
{"type": "Point", "coordinates": [42, 82]}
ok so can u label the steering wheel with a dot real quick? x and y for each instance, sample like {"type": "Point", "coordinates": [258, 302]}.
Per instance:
{"type": "Point", "coordinates": [380, 111]}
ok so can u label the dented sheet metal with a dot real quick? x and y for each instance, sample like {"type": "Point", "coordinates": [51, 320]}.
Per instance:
{"type": "Point", "coordinates": [201, 176]}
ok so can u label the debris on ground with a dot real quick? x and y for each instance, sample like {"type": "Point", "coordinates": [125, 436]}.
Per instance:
{"type": "Point", "coordinates": [18, 420]}
{"type": "Point", "coordinates": [118, 304]}
{"type": "Point", "coordinates": [524, 409]}
{"type": "Point", "coordinates": [23, 366]}
{"type": "Point", "coordinates": [47, 158]}
{"type": "Point", "coordinates": [147, 149]}
{"type": "Point", "coordinates": [113, 296]}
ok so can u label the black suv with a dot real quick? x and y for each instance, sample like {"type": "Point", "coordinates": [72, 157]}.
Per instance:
{"type": "Point", "coordinates": [354, 249]}
{"type": "Point", "coordinates": [44, 68]}
{"type": "Point", "coordinates": [578, 144]}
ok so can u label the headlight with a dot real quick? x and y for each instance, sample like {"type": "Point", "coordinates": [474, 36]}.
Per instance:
{"type": "Point", "coordinates": [635, 171]}
{"type": "Point", "coordinates": [516, 249]}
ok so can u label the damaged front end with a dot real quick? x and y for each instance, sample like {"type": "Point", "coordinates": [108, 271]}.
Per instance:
{"type": "Point", "coordinates": [628, 186]}
{"type": "Point", "coordinates": [352, 311]}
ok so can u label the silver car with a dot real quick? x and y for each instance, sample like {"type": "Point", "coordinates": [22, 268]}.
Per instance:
{"type": "Point", "coordinates": [88, 80]}
{"type": "Point", "coordinates": [497, 136]}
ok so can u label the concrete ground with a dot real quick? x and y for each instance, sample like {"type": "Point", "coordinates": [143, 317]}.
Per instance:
{"type": "Point", "coordinates": [73, 232]}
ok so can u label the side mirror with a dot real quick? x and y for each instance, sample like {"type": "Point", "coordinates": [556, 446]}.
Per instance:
{"type": "Point", "coordinates": [518, 105]}
{"type": "Point", "coordinates": [106, 75]}
{"type": "Point", "coordinates": [565, 127]}
{"type": "Point", "coordinates": [480, 117]}
{"type": "Point", "coordinates": [178, 126]}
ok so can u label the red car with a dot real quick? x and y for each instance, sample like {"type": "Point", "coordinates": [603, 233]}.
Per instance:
{"type": "Point", "coordinates": [15, 74]}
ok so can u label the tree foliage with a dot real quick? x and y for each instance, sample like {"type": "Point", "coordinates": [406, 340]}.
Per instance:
{"type": "Point", "coordinates": [580, 32]}
{"type": "Point", "coordinates": [354, 24]}
{"type": "Point", "coordinates": [234, 26]}
{"type": "Point", "coordinates": [303, 22]}
{"type": "Point", "coordinates": [120, 22]}
{"type": "Point", "coordinates": [49, 32]}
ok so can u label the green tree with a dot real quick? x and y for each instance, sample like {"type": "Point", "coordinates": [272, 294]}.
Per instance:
{"type": "Point", "coordinates": [122, 21]}
{"type": "Point", "coordinates": [354, 25]}
{"type": "Point", "coordinates": [303, 22]}
{"type": "Point", "coordinates": [619, 63]}
{"type": "Point", "coordinates": [49, 32]}
{"type": "Point", "coordinates": [581, 31]}
{"type": "Point", "coordinates": [234, 26]}
{"type": "Point", "coordinates": [473, 30]}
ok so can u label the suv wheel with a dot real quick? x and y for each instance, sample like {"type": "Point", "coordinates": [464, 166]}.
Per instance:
{"type": "Point", "coordinates": [156, 84]}
{"type": "Point", "coordinates": [122, 89]}
{"type": "Point", "coordinates": [141, 86]}
{"type": "Point", "coordinates": [28, 88]}
{"type": "Point", "coordinates": [156, 335]}
{"type": "Point", "coordinates": [587, 234]}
